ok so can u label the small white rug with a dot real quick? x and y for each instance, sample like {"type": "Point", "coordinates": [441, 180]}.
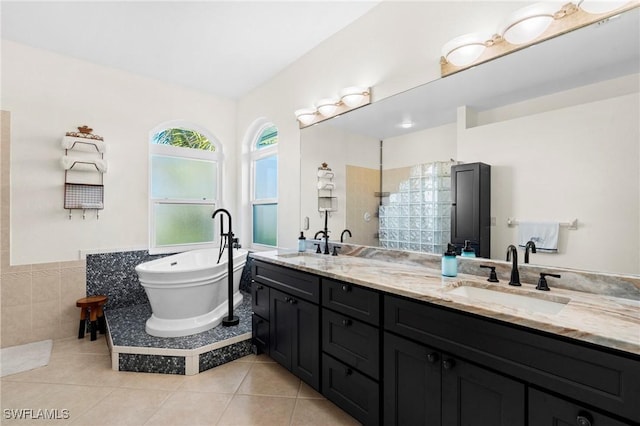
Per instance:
{"type": "Point", "coordinates": [17, 359]}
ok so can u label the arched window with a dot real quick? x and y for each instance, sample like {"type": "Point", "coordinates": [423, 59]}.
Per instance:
{"type": "Point", "coordinates": [184, 188]}
{"type": "Point", "coordinates": [264, 187]}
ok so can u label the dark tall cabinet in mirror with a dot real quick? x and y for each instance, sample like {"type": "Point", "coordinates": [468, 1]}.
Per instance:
{"type": "Point", "coordinates": [471, 206]}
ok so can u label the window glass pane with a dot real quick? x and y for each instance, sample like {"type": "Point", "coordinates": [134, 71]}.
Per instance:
{"type": "Point", "coordinates": [183, 138]}
{"type": "Point", "coordinates": [183, 178]}
{"type": "Point", "coordinates": [265, 224]}
{"type": "Point", "coordinates": [268, 137]}
{"type": "Point", "coordinates": [266, 178]}
{"type": "Point", "coordinates": [183, 224]}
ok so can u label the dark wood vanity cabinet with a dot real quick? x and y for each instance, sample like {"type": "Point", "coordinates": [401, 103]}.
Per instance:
{"type": "Point", "coordinates": [500, 353]}
{"type": "Point", "coordinates": [286, 319]}
{"type": "Point", "coordinates": [351, 359]}
{"type": "Point", "coordinates": [433, 365]}
{"type": "Point", "coordinates": [471, 206]}
{"type": "Point", "coordinates": [429, 387]}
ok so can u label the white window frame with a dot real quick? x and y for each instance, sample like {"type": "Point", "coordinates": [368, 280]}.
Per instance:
{"type": "Point", "coordinates": [259, 154]}
{"type": "Point", "coordinates": [188, 153]}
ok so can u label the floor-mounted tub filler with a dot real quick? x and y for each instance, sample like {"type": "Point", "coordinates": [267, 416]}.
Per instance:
{"type": "Point", "coordinates": [188, 291]}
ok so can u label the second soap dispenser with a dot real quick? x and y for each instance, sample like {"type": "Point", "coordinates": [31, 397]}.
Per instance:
{"type": "Point", "coordinates": [450, 262]}
{"type": "Point", "coordinates": [468, 251]}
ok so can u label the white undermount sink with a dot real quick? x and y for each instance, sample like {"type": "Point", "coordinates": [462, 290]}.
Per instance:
{"type": "Point", "coordinates": [522, 302]}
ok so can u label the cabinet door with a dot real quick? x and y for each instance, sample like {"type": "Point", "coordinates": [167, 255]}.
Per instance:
{"type": "Point", "coordinates": [305, 343]}
{"type": "Point", "coordinates": [470, 207]}
{"type": "Point", "coordinates": [280, 328]}
{"type": "Point", "coordinates": [260, 299]}
{"type": "Point", "coordinates": [547, 410]}
{"type": "Point", "coordinates": [411, 383]}
{"type": "Point", "coordinates": [474, 396]}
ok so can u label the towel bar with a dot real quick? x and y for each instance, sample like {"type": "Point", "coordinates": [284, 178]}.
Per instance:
{"type": "Point", "coordinates": [569, 225]}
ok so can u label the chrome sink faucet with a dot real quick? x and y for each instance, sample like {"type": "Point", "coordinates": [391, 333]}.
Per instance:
{"type": "Point", "coordinates": [512, 251]}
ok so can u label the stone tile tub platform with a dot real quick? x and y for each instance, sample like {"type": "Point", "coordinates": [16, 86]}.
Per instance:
{"type": "Point", "coordinates": [132, 349]}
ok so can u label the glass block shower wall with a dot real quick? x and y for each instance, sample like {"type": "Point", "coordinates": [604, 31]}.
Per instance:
{"type": "Point", "coordinates": [418, 216]}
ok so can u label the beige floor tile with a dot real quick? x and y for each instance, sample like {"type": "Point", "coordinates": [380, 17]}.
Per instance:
{"type": "Point", "coordinates": [307, 391]}
{"type": "Point", "coordinates": [129, 379]}
{"type": "Point", "coordinates": [124, 407]}
{"type": "Point", "coordinates": [309, 412]}
{"type": "Point", "coordinates": [59, 399]}
{"type": "Point", "coordinates": [269, 379]}
{"type": "Point", "coordinates": [81, 346]}
{"type": "Point", "coordinates": [262, 358]}
{"type": "Point", "coordinates": [248, 410]}
{"type": "Point", "coordinates": [222, 379]}
{"type": "Point", "coordinates": [190, 409]}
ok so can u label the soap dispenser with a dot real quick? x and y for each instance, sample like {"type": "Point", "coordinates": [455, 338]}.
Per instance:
{"type": "Point", "coordinates": [449, 262]}
{"type": "Point", "coordinates": [468, 251]}
{"type": "Point", "coordinates": [302, 242]}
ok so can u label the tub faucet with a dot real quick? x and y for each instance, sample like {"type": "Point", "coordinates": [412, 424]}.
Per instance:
{"type": "Point", "coordinates": [346, 231]}
{"type": "Point", "coordinates": [530, 245]}
{"type": "Point", "coordinates": [228, 238]}
{"type": "Point", "coordinates": [515, 276]}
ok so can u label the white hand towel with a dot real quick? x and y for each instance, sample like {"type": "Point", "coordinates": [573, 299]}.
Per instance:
{"type": "Point", "coordinates": [84, 164]}
{"type": "Point", "coordinates": [83, 144]}
{"type": "Point", "coordinates": [543, 234]}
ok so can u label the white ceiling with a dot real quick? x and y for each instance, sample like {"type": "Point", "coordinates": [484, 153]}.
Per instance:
{"type": "Point", "coordinates": [225, 48]}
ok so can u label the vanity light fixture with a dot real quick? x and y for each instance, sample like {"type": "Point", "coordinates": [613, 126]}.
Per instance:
{"type": "Point", "coordinates": [350, 98]}
{"type": "Point", "coordinates": [353, 96]}
{"type": "Point", "coordinates": [306, 116]}
{"type": "Point", "coordinates": [597, 7]}
{"type": "Point", "coordinates": [465, 49]}
{"type": "Point", "coordinates": [327, 106]}
{"type": "Point", "coordinates": [528, 23]}
{"type": "Point", "coordinates": [527, 26]}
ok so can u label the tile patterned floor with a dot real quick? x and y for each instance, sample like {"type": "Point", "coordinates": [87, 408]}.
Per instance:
{"type": "Point", "coordinates": [253, 390]}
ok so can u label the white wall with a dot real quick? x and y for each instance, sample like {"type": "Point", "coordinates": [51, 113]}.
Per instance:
{"type": "Point", "coordinates": [394, 47]}
{"type": "Point", "coordinates": [48, 95]}
{"type": "Point", "coordinates": [436, 144]}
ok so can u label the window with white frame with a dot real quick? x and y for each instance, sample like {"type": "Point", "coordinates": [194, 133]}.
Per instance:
{"type": "Point", "coordinates": [184, 182]}
{"type": "Point", "coordinates": [264, 188]}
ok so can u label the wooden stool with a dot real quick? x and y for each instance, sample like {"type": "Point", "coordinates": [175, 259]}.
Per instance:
{"type": "Point", "coordinates": [92, 306]}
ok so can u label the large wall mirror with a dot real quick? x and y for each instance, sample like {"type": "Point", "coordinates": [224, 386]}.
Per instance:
{"type": "Point", "coordinates": [557, 122]}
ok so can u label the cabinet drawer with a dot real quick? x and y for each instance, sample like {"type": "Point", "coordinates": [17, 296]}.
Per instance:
{"type": "Point", "coordinates": [545, 409]}
{"type": "Point", "coordinates": [297, 284]}
{"type": "Point", "coordinates": [355, 393]}
{"type": "Point", "coordinates": [260, 299]}
{"type": "Point", "coordinates": [260, 333]}
{"type": "Point", "coordinates": [581, 372]}
{"type": "Point", "coordinates": [351, 341]}
{"type": "Point", "coordinates": [349, 299]}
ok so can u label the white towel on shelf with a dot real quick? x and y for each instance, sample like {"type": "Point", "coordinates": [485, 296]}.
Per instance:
{"type": "Point", "coordinates": [84, 164]}
{"type": "Point", "coordinates": [543, 234]}
{"type": "Point", "coordinates": [83, 144]}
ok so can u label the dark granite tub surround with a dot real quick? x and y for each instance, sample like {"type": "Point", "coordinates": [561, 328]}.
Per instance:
{"type": "Point", "coordinates": [597, 312]}
{"type": "Point", "coordinates": [114, 275]}
{"type": "Point", "coordinates": [135, 350]}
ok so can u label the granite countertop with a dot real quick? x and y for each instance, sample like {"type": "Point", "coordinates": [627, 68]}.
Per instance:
{"type": "Point", "coordinates": [608, 321]}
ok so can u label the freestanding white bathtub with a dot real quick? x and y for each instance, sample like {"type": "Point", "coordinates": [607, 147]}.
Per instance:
{"type": "Point", "coordinates": [188, 291]}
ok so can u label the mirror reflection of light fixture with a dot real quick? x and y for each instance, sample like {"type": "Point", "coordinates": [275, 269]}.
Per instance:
{"type": "Point", "coordinates": [528, 23]}
{"type": "Point", "coordinates": [327, 106]}
{"type": "Point", "coordinates": [597, 7]}
{"type": "Point", "coordinates": [465, 49]}
{"type": "Point", "coordinates": [306, 115]}
{"type": "Point", "coordinates": [526, 26]}
{"type": "Point", "coordinates": [350, 98]}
